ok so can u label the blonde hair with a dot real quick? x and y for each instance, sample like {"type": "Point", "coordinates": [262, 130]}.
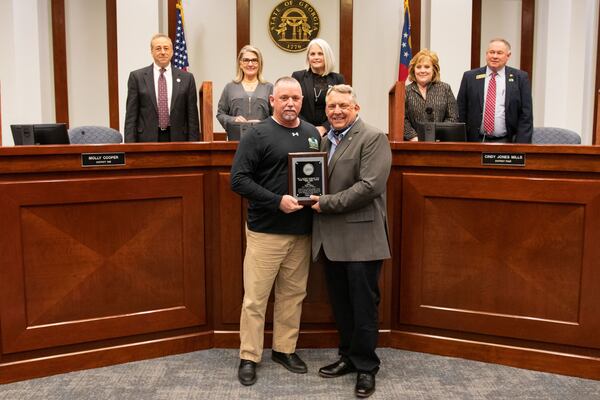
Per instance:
{"type": "Point", "coordinates": [328, 58]}
{"type": "Point", "coordinates": [239, 76]}
{"type": "Point", "coordinates": [420, 57]}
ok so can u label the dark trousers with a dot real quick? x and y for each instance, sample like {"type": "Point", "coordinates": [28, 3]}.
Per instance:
{"type": "Point", "coordinates": [354, 295]}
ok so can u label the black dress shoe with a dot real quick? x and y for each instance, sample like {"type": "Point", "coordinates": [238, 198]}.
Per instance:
{"type": "Point", "coordinates": [247, 372]}
{"type": "Point", "coordinates": [291, 361]}
{"type": "Point", "coordinates": [365, 384]}
{"type": "Point", "coordinates": [338, 368]}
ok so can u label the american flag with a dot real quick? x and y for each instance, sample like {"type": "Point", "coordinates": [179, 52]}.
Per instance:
{"type": "Point", "coordinates": [405, 46]}
{"type": "Point", "coordinates": [180, 55]}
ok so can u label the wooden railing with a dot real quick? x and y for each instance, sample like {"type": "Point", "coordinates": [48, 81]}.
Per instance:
{"type": "Point", "coordinates": [396, 112]}
{"type": "Point", "coordinates": [205, 97]}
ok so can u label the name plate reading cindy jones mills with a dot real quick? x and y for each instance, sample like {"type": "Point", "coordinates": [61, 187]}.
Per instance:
{"type": "Point", "coordinates": [102, 159]}
{"type": "Point", "coordinates": [307, 175]}
{"type": "Point", "coordinates": [505, 159]}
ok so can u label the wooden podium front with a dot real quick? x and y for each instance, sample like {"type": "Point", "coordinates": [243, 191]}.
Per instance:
{"type": "Point", "coordinates": [109, 264]}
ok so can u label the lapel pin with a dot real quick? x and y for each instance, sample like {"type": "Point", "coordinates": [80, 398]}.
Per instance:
{"type": "Point", "coordinates": [178, 80]}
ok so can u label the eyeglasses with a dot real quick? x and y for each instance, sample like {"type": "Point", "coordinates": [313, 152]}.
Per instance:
{"type": "Point", "coordinates": [249, 60]}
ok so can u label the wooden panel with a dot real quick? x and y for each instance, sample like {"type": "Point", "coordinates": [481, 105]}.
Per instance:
{"type": "Point", "coordinates": [527, 30]}
{"type": "Point", "coordinates": [113, 63]}
{"type": "Point", "coordinates": [100, 258]}
{"type": "Point", "coordinates": [59, 54]}
{"type": "Point", "coordinates": [242, 23]}
{"type": "Point", "coordinates": [415, 25]}
{"type": "Point", "coordinates": [476, 34]}
{"type": "Point", "coordinates": [501, 256]}
{"type": "Point", "coordinates": [346, 39]}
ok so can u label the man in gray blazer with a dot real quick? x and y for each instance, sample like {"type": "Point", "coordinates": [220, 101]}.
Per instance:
{"type": "Point", "coordinates": [161, 100]}
{"type": "Point", "coordinates": [350, 231]}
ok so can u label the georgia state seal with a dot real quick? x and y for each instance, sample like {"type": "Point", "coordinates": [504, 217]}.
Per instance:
{"type": "Point", "coordinates": [292, 24]}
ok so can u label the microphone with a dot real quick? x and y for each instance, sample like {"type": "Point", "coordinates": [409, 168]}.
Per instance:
{"type": "Point", "coordinates": [429, 125]}
{"type": "Point", "coordinates": [429, 112]}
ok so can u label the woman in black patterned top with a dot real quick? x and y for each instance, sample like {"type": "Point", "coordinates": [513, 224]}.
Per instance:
{"type": "Point", "coordinates": [315, 81]}
{"type": "Point", "coordinates": [427, 99]}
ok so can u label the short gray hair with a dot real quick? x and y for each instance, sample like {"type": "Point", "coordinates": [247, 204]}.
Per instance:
{"type": "Point", "coordinates": [343, 89]}
{"type": "Point", "coordinates": [500, 40]}
{"type": "Point", "coordinates": [158, 36]}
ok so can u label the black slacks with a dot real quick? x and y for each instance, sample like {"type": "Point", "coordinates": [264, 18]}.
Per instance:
{"type": "Point", "coordinates": [354, 295]}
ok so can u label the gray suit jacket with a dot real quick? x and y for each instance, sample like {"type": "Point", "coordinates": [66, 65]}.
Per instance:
{"type": "Point", "coordinates": [141, 117]}
{"type": "Point", "coordinates": [352, 225]}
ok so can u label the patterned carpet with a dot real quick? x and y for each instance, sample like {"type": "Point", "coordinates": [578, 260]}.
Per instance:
{"type": "Point", "coordinates": [211, 374]}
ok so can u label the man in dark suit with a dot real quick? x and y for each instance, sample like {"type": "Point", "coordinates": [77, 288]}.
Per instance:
{"type": "Point", "coordinates": [161, 100]}
{"type": "Point", "coordinates": [350, 231]}
{"type": "Point", "coordinates": [495, 101]}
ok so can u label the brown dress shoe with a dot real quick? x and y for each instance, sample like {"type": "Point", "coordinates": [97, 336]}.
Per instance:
{"type": "Point", "coordinates": [365, 384]}
{"type": "Point", "coordinates": [247, 372]}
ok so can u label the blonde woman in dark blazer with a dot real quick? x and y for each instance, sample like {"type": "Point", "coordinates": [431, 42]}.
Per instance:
{"type": "Point", "coordinates": [315, 81]}
{"type": "Point", "coordinates": [427, 99]}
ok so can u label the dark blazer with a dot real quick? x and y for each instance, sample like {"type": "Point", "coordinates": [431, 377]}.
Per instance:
{"type": "Point", "coordinates": [141, 116]}
{"type": "Point", "coordinates": [307, 113]}
{"type": "Point", "coordinates": [441, 100]}
{"type": "Point", "coordinates": [518, 107]}
{"type": "Point", "coordinates": [352, 225]}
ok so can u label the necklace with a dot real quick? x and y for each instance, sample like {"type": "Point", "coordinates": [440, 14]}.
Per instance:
{"type": "Point", "coordinates": [317, 94]}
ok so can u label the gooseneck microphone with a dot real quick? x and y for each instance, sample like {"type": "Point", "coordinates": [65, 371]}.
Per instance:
{"type": "Point", "coordinates": [429, 125]}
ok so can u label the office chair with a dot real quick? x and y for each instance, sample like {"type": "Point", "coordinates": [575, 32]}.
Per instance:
{"type": "Point", "coordinates": [94, 135]}
{"type": "Point", "coordinates": [547, 135]}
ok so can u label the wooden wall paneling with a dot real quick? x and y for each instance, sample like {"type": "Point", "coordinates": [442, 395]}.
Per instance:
{"type": "Point", "coordinates": [346, 39]}
{"type": "Point", "coordinates": [415, 25]}
{"type": "Point", "coordinates": [172, 19]}
{"type": "Point", "coordinates": [242, 23]}
{"type": "Point", "coordinates": [59, 53]}
{"type": "Point", "coordinates": [113, 63]}
{"type": "Point", "coordinates": [502, 256]}
{"type": "Point", "coordinates": [476, 34]}
{"type": "Point", "coordinates": [596, 132]}
{"type": "Point", "coordinates": [527, 31]}
{"type": "Point", "coordinates": [98, 291]}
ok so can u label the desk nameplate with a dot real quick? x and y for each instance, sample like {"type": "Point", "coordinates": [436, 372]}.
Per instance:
{"type": "Point", "coordinates": [102, 159]}
{"type": "Point", "coordinates": [503, 159]}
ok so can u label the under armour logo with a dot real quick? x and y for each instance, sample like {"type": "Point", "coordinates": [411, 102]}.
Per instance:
{"type": "Point", "coordinates": [295, 134]}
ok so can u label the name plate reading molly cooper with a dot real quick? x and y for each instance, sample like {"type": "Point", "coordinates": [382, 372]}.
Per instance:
{"type": "Point", "coordinates": [102, 159]}
{"type": "Point", "coordinates": [507, 159]}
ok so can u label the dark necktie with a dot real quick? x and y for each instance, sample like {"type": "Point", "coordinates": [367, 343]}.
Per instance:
{"type": "Point", "coordinates": [490, 106]}
{"type": "Point", "coordinates": [338, 136]}
{"type": "Point", "coordinates": [163, 101]}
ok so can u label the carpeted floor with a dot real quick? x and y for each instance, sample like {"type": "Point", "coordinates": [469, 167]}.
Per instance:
{"type": "Point", "coordinates": [211, 374]}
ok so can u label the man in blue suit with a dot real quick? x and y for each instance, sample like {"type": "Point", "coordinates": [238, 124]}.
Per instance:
{"type": "Point", "coordinates": [495, 101]}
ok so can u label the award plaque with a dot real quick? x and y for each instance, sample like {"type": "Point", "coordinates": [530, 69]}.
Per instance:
{"type": "Point", "coordinates": [307, 175]}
